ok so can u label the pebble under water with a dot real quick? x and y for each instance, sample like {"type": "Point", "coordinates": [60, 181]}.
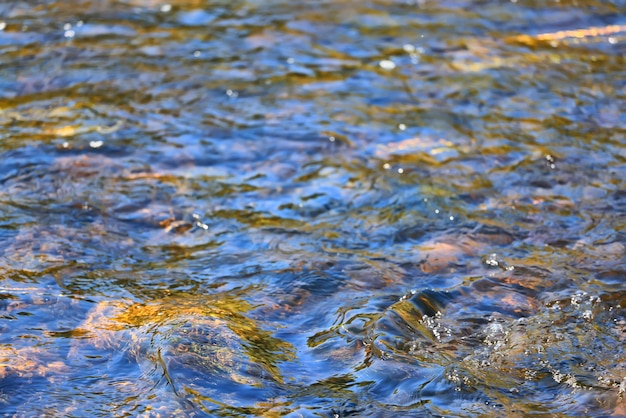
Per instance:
{"type": "Point", "coordinates": [330, 208]}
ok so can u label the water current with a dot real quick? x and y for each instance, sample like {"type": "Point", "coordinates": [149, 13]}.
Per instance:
{"type": "Point", "coordinates": [312, 209]}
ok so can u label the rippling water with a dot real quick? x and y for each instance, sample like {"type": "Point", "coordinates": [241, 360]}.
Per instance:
{"type": "Point", "coordinates": [319, 208]}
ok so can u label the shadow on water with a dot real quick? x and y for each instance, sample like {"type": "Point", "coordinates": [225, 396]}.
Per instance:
{"type": "Point", "coordinates": [332, 208]}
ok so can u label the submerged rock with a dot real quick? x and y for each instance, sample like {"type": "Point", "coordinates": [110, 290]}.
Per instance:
{"type": "Point", "coordinates": [198, 347]}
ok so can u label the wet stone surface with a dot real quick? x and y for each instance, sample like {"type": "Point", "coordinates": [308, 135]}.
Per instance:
{"type": "Point", "coordinates": [305, 209]}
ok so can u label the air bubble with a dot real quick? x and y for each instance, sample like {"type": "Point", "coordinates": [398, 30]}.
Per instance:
{"type": "Point", "coordinates": [387, 64]}
{"type": "Point", "coordinates": [492, 260]}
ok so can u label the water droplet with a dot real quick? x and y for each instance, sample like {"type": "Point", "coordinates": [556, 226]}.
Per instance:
{"type": "Point", "coordinates": [69, 34]}
{"type": "Point", "coordinates": [3, 25]}
{"type": "Point", "coordinates": [290, 60]}
{"type": "Point", "coordinates": [400, 170]}
{"type": "Point", "coordinates": [67, 26]}
{"type": "Point", "coordinates": [386, 166]}
{"type": "Point", "coordinates": [436, 210]}
{"type": "Point", "coordinates": [331, 138]}
{"type": "Point", "coordinates": [166, 8]}
{"type": "Point", "coordinates": [196, 54]}
{"type": "Point", "coordinates": [612, 40]}
{"type": "Point", "coordinates": [387, 64]}
{"type": "Point", "coordinates": [402, 127]}
{"type": "Point", "coordinates": [96, 144]}
{"type": "Point", "coordinates": [492, 260]}
{"type": "Point", "coordinates": [577, 298]}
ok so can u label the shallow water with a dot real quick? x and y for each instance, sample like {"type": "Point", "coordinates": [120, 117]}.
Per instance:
{"type": "Point", "coordinates": [330, 208]}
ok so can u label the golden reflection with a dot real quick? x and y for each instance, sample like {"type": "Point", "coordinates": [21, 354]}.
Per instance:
{"type": "Point", "coordinates": [115, 325]}
{"type": "Point", "coordinates": [29, 362]}
{"type": "Point", "coordinates": [591, 32]}
{"type": "Point", "coordinates": [582, 33]}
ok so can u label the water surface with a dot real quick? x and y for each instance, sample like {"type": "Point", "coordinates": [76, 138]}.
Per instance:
{"type": "Point", "coordinates": [319, 208]}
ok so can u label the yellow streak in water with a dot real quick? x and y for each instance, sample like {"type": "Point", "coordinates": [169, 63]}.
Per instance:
{"type": "Point", "coordinates": [582, 33]}
{"type": "Point", "coordinates": [591, 32]}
